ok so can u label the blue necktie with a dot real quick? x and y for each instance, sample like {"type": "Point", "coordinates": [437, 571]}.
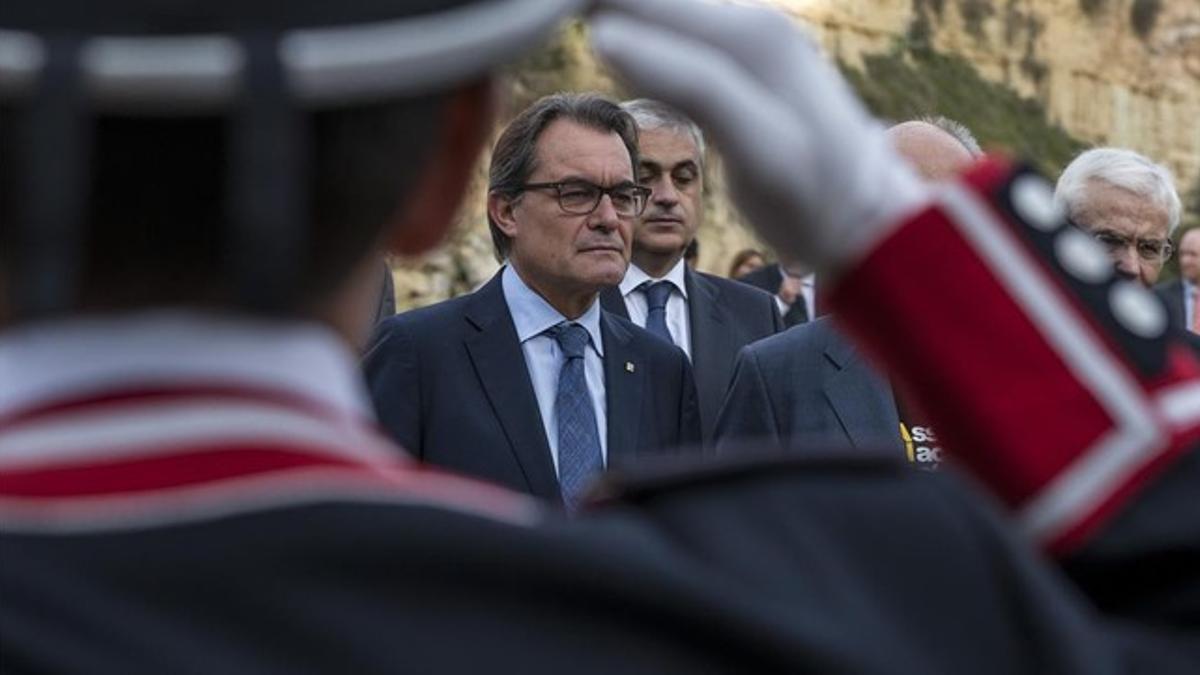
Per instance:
{"type": "Point", "coordinates": [579, 457]}
{"type": "Point", "coordinates": [657, 293]}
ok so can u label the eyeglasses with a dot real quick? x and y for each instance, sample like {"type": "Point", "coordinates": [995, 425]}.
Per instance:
{"type": "Point", "coordinates": [580, 198]}
{"type": "Point", "coordinates": [1156, 251]}
{"type": "Point", "coordinates": [1150, 250]}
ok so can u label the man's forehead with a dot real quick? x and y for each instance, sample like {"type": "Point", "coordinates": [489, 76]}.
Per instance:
{"type": "Point", "coordinates": [567, 147]}
{"type": "Point", "coordinates": [933, 152]}
{"type": "Point", "coordinates": [1110, 206]}
{"type": "Point", "coordinates": [667, 146]}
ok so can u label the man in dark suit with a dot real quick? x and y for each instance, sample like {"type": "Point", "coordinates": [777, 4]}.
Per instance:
{"type": "Point", "coordinates": [708, 317]}
{"type": "Point", "coordinates": [1179, 295]}
{"type": "Point", "coordinates": [527, 382]}
{"type": "Point", "coordinates": [808, 384]}
{"type": "Point", "coordinates": [791, 285]}
{"type": "Point", "coordinates": [808, 387]}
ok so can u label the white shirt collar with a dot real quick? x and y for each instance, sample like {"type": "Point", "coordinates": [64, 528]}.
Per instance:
{"type": "Point", "coordinates": [635, 277]}
{"type": "Point", "coordinates": [532, 315]}
{"type": "Point", "coordinates": [806, 280]}
{"type": "Point", "coordinates": [45, 361]}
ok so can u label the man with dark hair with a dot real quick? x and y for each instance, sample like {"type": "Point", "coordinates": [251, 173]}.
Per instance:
{"type": "Point", "coordinates": [486, 384]}
{"type": "Point", "coordinates": [707, 317]}
{"type": "Point", "coordinates": [190, 480]}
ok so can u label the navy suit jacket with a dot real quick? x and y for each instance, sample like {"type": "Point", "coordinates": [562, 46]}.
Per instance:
{"type": "Point", "coordinates": [1171, 293]}
{"type": "Point", "coordinates": [450, 385]}
{"type": "Point", "coordinates": [808, 387]}
{"type": "Point", "coordinates": [724, 316]}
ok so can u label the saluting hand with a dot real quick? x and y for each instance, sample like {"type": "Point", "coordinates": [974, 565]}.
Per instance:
{"type": "Point", "coordinates": [807, 164]}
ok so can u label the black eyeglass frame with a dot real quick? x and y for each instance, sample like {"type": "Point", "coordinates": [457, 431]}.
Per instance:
{"type": "Point", "coordinates": [640, 191]}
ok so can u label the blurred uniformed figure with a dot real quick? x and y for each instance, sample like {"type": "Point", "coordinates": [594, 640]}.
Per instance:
{"type": "Point", "coordinates": [193, 195]}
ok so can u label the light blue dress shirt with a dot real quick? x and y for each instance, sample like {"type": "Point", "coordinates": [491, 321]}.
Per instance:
{"type": "Point", "coordinates": [678, 322]}
{"type": "Point", "coordinates": [531, 316]}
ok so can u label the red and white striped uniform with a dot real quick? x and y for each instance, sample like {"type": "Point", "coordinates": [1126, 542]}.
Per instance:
{"type": "Point", "coordinates": [1043, 372]}
{"type": "Point", "coordinates": [168, 418]}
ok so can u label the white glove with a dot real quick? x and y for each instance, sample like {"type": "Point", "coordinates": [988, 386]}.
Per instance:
{"type": "Point", "coordinates": [807, 164]}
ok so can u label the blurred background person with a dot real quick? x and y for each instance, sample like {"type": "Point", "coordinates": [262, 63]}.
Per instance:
{"type": "Point", "coordinates": [809, 387]}
{"type": "Point", "coordinates": [744, 262]}
{"type": "Point", "coordinates": [1126, 202]}
{"type": "Point", "coordinates": [706, 316]}
{"type": "Point", "coordinates": [792, 284]}
{"type": "Point", "coordinates": [1182, 295]}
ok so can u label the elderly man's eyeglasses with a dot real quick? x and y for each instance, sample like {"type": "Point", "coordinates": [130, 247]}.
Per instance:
{"type": "Point", "coordinates": [579, 197]}
{"type": "Point", "coordinates": [1150, 250]}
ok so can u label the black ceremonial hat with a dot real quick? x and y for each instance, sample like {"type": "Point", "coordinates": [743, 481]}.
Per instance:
{"type": "Point", "coordinates": [254, 61]}
{"type": "Point", "coordinates": [192, 53]}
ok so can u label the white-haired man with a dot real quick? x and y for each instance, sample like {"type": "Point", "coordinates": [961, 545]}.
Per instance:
{"type": "Point", "coordinates": [1128, 203]}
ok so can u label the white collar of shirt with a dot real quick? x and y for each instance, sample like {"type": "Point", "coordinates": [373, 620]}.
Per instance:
{"type": "Point", "coordinates": [532, 315]}
{"type": "Point", "coordinates": [635, 277]}
{"type": "Point", "coordinates": [45, 361]}
{"type": "Point", "coordinates": [808, 279]}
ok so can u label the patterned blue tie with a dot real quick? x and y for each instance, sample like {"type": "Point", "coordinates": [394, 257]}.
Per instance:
{"type": "Point", "coordinates": [579, 457]}
{"type": "Point", "coordinates": [657, 293]}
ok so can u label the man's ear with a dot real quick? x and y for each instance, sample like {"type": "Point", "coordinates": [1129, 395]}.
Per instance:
{"type": "Point", "coordinates": [428, 211]}
{"type": "Point", "coordinates": [500, 211]}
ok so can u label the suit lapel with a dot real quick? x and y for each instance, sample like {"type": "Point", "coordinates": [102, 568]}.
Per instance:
{"type": "Point", "coordinates": [862, 401]}
{"type": "Point", "coordinates": [500, 364]}
{"type": "Point", "coordinates": [611, 300]}
{"type": "Point", "coordinates": [624, 374]}
{"type": "Point", "coordinates": [706, 317]}
{"type": "Point", "coordinates": [1177, 305]}
{"type": "Point", "coordinates": [711, 338]}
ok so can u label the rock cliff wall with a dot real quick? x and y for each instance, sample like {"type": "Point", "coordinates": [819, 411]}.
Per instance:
{"type": "Point", "coordinates": [1040, 78]}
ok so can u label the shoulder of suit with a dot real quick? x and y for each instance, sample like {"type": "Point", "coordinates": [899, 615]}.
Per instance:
{"type": "Point", "coordinates": [1172, 286]}
{"type": "Point", "coordinates": [752, 464]}
{"type": "Point", "coordinates": [431, 320]}
{"type": "Point", "coordinates": [738, 291]}
{"type": "Point", "coordinates": [797, 342]}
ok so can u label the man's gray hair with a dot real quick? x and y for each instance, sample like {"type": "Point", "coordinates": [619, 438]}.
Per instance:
{"type": "Point", "coordinates": [1124, 169]}
{"type": "Point", "coordinates": [958, 130]}
{"type": "Point", "coordinates": [650, 114]}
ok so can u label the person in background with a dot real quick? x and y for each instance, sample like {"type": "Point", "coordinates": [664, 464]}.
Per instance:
{"type": "Point", "coordinates": [809, 389]}
{"type": "Point", "coordinates": [744, 262]}
{"type": "Point", "coordinates": [1128, 203]}
{"type": "Point", "coordinates": [528, 382]}
{"type": "Point", "coordinates": [691, 254]}
{"type": "Point", "coordinates": [792, 284]}
{"type": "Point", "coordinates": [1182, 295]}
{"type": "Point", "coordinates": [707, 317]}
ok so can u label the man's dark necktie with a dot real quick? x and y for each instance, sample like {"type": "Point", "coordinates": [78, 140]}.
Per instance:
{"type": "Point", "coordinates": [657, 293]}
{"type": "Point", "coordinates": [579, 458]}
{"type": "Point", "coordinates": [797, 313]}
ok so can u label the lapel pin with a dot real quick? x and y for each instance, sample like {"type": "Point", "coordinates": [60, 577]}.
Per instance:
{"type": "Point", "coordinates": [629, 367]}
